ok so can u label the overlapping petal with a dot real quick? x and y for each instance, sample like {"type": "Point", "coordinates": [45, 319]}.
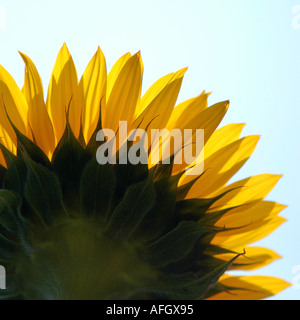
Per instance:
{"type": "Point", "coordinates": [250, 287]}
{"type": "Point", "coordinates": [92, 91]}
{"type": "Point", "coordinates": [253, 259]}
{"type": "Point", "coordinates": [63, 95]}
{"type": "Point", "coordinates": [124, 95]}
{"type": "Point", "coordinates": [13, 105]}
{"type": "Point", "coordinates": [38, 117]}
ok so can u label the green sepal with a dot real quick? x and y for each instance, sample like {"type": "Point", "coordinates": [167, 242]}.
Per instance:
{"type": "Point", "coordinates": [176, 244]}
{"type": "Point", "coordinates": [163, 170]}
{"type": "Point", "coordinates": [215, 250]}
{"type": "Point", "coordinates": [161, 218]}
{"type": "Point", "coordinates": [138, 200]}
{"type": "Point", "coordinates": [216, 289]}
{"type": "Point", "coordinates": [183, 190]}
{"type": "Point", "coordinates": [10, 204]}
{"type": "Point", "coordinates": [16, 172]}
{"type": "Point", "coordinates": [43, 192]}
{"type": "Point", "coordinates": [127, 174]}
{"type": "Point", "coordinates": [97, 188]}
{"type": "Point", "coordinates": [69, 160]}
{"type": "Point", "coordinates": [186, 286]}
{"type": "Point", "coordinates": [194, 209]}
{"type": "Point", "coordinates": [220, 288]}
{"type": "Point", "coordinates": [212, 217]}
{"type": "Point", "coordinates": [24, 144]}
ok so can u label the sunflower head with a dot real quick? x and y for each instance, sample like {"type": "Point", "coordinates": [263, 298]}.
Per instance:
{"type": "Point", "coordinates": [74, 227]}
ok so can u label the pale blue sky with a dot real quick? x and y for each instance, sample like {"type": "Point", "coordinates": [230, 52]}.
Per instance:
{"type": "Point", "coordinates": [243, 50]}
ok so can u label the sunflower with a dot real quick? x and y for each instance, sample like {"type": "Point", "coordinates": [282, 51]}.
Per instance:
{"type": "Point", "coordinates": [71, 228]}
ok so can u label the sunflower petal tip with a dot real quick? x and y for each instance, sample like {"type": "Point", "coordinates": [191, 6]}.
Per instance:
{"type": "Point", "coordinates": [181, 72]}
{"type": "Point", "coordinates": [24, 57]}
{"type": "Point", "coordinates": [65, 48]}
{"type": "Point", "coordinates": [280, 176]}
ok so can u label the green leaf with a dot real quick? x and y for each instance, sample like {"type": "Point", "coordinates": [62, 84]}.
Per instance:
{"type": "Point", "coordinates": [137, 202]}
{"type": "Point", "coordinates": [97, 189]}
{"type": "Point", "coordinates": [43, 192]}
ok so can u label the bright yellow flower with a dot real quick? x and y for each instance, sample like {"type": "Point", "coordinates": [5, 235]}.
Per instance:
{"type": "Point", "coordinates": [71, 228]}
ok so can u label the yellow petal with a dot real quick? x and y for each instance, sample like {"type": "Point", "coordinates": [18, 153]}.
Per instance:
{"type": "Point", "coordinates": [152, 92]}
{"type": "Point", "coordinates": [237, 239]}
{"type": "Point", "coordinates": [157, 113]}
{"type": "Point", "coordinates": [220, 166]}
{"type": "Point", "coordinates": [63, 93]}
{"type": "Point", "coordinates": [251, 287]}
{"type": "Point", "coordinates": [187, 111]}
{"type": "Point", "coordinates": [114, 73]}
{"type": "Point", "coordinates": [92, 90]}
{"type": "Point", "coordinates": [254, 258]}
{"type": "Point", "coordinates": [13, 101]}
{"type": "Point", "coordinates": [7, 142]}
{"type": "Point", "coordinates": [246, 190]}
{"type": "Point", "coordinates": [223, 137]}
{"type": "Point", "coordinates": [125, 94]}
{"type": "Point", "coordinates": [208, 120]}
{"type": "Point", "coordinates": [160, 108]}
{"type": "Point", "coordinates": [2, 160]}
{"type": "Point", "coordinates": [38, 117]}
{"type": "Point", "coordinates": [245, 215]}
